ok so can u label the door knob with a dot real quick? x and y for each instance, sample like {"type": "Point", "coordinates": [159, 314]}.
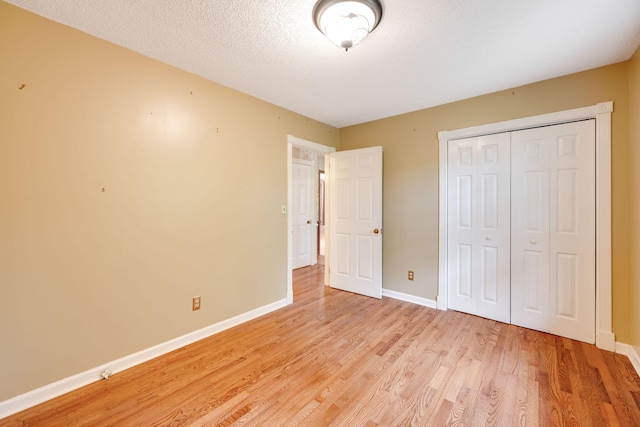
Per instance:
{"type": "Point", "coordinates": [308, 222]}
{"type": "Point", "coordinates": [376, 231]}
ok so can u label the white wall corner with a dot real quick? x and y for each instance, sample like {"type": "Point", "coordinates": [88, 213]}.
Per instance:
{"type": "Point", "coordinates": [66, 385]}
{"type": "Point", "coordinates": [631, 352]}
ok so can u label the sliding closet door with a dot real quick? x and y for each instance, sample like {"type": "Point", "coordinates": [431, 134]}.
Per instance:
{"type": "Point", "coordinates": [553, 229]}
{"type": "Point", "coordinates": [478, 232]}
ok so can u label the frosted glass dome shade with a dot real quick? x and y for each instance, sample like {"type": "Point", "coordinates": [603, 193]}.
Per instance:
{"type": "Point", "coordinates": [347, 23]}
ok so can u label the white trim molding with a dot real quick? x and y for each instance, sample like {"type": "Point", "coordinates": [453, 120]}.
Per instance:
{"type": "Point", "coordinates": [605, 338]}
{"type": "Point", "coordinates": [65, 385]}
{"type": "Point", "coordinates": [631, 352]}
{"type": "Point", "coordinates": [409, 298]}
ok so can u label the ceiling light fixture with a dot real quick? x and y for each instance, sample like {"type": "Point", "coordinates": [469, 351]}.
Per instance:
{"type": "Point", "coordinates": [347, 22]}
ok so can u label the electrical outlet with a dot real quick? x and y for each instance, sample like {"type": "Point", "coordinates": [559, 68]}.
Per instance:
{"type": "Point", "coordinates": [410, 275]}
{"type": "Point", "coordinates": [195, 304]}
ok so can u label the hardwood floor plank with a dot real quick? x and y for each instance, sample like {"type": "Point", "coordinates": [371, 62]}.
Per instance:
{"type": "Point", "coordinates": [334, 359]}
{"type": "Point", "coordinates": [609, 415]}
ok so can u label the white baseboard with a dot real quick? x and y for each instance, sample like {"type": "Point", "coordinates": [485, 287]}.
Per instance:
{"type": "Point", "coordinates": [65, 385]}
{"type": "Point", "coordinates": [631, 352]}
{"type": "Point", "coordinates": [409, 298]}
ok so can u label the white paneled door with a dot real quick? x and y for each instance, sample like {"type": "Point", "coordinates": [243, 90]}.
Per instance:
{"type": "Point", "coordinates": [301, 214]}
{"type": "Point", "coordinates": [553, 229]}
{"type": "Point", "coordinates": [355, 212]}
{"type": "Point", "coordinates": [478, 232]}
{"type": "Point", "coordinates": [530, 230]}
{"type": "Point", "coordinates": [521, 228]}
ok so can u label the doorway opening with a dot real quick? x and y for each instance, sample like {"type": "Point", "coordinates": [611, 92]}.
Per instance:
{"type": "Point", "coordinates": [301, 150]}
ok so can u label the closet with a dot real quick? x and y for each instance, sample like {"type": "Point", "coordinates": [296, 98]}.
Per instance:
{"type": "Point", "coordinates": [521, 228]}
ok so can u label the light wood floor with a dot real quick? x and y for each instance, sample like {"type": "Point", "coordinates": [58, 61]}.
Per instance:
{"type": "Point", "coordinates": [337, 359]}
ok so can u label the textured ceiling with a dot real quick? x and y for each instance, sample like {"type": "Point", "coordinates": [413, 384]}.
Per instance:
{"type": "Point", "coordinates": [423, 53]}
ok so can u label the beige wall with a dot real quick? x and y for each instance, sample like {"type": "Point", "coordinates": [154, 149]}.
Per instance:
{"type": "Point", "coordinates": [193, 176]}
{"type": "Point", "coordinates": [410, 147]}
{"type": "Point", "coordinates": [634, 132]}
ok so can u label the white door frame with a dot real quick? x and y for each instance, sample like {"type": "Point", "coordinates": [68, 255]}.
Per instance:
{"type": "Point", "coordinates": [318, 148]}
{"type": "Point", "coordinates": [601, 112]}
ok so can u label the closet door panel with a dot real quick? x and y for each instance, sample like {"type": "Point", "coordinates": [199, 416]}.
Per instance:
{"type": "Point", "coordinates": [460, 216]}
{"type": "Point", "coordinates": [553, 230]}
{"type": "Point", "coordinates": [530, 231]}
{"type": "Point", "coordinates": [572, 231]}
{"type": "Point", "coordinates": [479, 226]}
